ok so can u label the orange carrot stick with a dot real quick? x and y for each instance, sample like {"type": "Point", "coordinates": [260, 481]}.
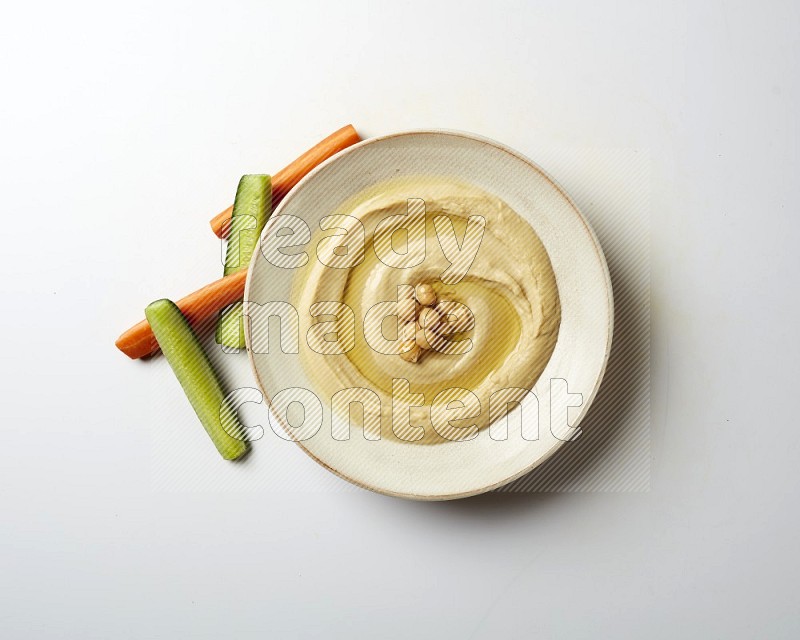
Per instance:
{"type": "Point", "coordinates": [288, 177]}
{"type": "Point", "coordinates": [139, 341]}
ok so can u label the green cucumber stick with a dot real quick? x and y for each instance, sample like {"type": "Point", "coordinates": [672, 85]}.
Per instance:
{"type": "Point", "coordinates": [191, 365]}
{"type": "Point", "coordinates": [251, 209]}
{"type": "Point", "coordinates": [230, 331]}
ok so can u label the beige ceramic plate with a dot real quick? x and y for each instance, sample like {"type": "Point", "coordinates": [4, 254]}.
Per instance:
{"type": "Point", "coordinates": [451, 469]}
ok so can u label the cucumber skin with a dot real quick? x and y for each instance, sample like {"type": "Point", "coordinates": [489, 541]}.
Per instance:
{"type": "Point", "coordinates": [192, 368]}
{"type": "Point", "coordinates": [230, 331]}
{"type": "Point", "coordinates": [253, 201]}
{"type": "Point", "coordinates": [253, 198]}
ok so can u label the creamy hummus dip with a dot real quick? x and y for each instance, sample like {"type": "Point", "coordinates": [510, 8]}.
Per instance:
{"type": "Point", "coordinates": [411, 232]}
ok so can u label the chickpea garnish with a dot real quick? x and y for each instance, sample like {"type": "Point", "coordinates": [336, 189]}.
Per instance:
{"type": "Point", "coordinates": [429, 318]}
{"type": "Point", "coordinates": [425, 294]}
{"type": "Point", "coordinates": [413, 353]}
{"type": "Point", "coordinates": [421, 338]}
{"type": "Point", "coordinates": [408, 331]}
{"type": "Point", "coordinates": [413, 336]}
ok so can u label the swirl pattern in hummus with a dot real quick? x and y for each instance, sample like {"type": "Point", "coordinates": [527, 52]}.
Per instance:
{"type": "Point", "coordinates": [510, 288]}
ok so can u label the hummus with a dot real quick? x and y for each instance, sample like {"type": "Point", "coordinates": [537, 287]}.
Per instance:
{"type": "Point", "coordinates": [509, 287]}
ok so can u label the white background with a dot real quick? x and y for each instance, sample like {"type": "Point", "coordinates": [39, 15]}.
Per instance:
{"type": "Point", "coordinates": [123, 129]}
